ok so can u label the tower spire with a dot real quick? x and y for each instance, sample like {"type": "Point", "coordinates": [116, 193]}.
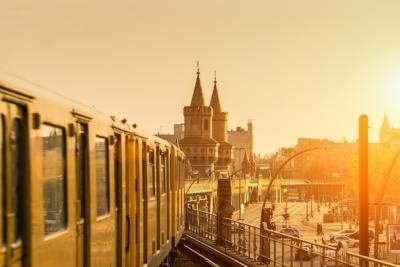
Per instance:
{"type": "Point", "coordinates": [197, 98]}
{"type": "Point", "coordinates": [215, 103]}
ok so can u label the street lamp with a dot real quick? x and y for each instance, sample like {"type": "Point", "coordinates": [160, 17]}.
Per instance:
{"type": "Point", "coordinates": [379, 202]}
{"type": "Point", "coordinates": [240, 184]}
{"type": "Point", "coordinates": [275, 175]}
{"type": "Point", "coordinates": [310, 197]}
{"type": "Point", "coordinates": [266, 214]}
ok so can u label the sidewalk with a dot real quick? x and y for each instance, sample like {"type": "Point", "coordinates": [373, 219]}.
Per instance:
{"type": "Point", "coordinates": [318, 218]}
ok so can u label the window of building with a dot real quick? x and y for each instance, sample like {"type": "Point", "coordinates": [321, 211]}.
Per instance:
{"type": "Point", "coordinates": [102, 177]}
{"type": "Point", "coordinates": [54, 179]}
{"type": "Point", "coordinates": [206, 124]}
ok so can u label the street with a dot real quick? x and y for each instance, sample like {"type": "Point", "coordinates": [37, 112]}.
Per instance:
{"type": "Point", "coordinates": [297, 219]}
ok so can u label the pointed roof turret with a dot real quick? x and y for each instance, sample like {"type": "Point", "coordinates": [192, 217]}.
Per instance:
{"type": "Point", "coordinates": [385, 124]}
{"type": "Point", "coordinates": [245, 158]}
{"type": "Point", "coordinates": [197, 98]}
{"type": "Point", "coordinates": [214, 103]}
{"type": "Point", "coordinates": [245, 163]}
{"type": "Point", "coordinates": [251, 160]}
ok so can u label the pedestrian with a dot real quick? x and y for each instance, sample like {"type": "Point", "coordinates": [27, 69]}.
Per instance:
{"type": "Point", "coordinates": [320, 229]}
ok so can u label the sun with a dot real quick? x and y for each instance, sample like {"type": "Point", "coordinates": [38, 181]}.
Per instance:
{"type": "Point", "coordinates": [391, 92]}
{"type": "Point", "coordinates": [395, 88]}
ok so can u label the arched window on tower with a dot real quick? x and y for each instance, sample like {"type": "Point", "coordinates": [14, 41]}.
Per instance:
{"type": "Point", "coordinates": [206, 124]}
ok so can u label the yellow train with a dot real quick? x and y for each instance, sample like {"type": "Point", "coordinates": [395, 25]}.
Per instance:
{"type": "Point", "coordinates": [80, 188]}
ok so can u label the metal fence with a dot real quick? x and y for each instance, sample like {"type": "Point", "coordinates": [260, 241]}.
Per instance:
{"type": "Point", "coordinates": [271, 247]}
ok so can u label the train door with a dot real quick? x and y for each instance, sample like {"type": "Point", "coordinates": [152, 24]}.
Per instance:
{"type": "Point", "coordinates": [138, 202]}
{"type": "Point", "coordinates": [118, 196]}
{"type": "Point", "coordinates": [144, 202]}
{"type": "Point", "coordinates": [158, 197]}
{"type": "Point", "coordinates": [130, 191]}
{"type": "Point", "coordinates": [82, 184]}
{"type": "Point", "coordinates": [15, 192]}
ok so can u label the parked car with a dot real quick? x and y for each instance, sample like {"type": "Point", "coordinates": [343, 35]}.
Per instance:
{"type": "Point", "coordinates": [355, 235]}
{"type": "Point", "coordinates": [305, 253]}
{"type": "Point", "coordinates": [290, 231]}
{"type": "Point", "coordinates": [351, 242]}
{"type": "Point", "coordinates": [345, 232]}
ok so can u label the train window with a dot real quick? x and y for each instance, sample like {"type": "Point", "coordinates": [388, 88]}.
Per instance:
{"type": "Point", "coordinates": [54, 179]}
{"type": "Point", "coordinates": [3, 176]}
{"type": "Point", "coordinates": [152, 176]}
{"type": "Point", "coordinates": [144, 171]}
{"type": "Point", "coordinates": [16, 178]}
{"type": "Point", "coordinates": [163, 174]}
{"type": "Point", "coordinates": [102, 179]}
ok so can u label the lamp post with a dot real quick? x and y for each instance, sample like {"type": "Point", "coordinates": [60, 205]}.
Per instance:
{"type": "Point", "coordinates": [240, 181]}
{"type": "Point", "coordinates": [310, 198]}
{"type": "Point", "coordinates": [266, 196]}
{"type": "Point", "coordinates": [266, 214]}
{"type": "Point", "coordinates": [341, 205]}
{"type": "Point", "coordinates": [379, 202]}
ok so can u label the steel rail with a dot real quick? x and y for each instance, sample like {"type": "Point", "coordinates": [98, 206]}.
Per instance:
{"type": "Point", "coordinates": [198, 254]}
{"type": "Point", "coordinates": [213, 251]}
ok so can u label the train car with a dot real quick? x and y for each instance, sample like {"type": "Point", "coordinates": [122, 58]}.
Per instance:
{"type": "Point", "coordinates": [81, 188]}
{"type": "Point", "coordinates": [178, 166]}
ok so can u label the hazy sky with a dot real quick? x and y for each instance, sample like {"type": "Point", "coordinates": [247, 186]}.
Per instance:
{"type": "Point", "coordinates": [296, 68]}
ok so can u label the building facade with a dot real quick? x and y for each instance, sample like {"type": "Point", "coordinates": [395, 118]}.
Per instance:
{"type": "Point", "coordinates": [210, 149]}
{"type": "Point", "coordinates": [242, 140]}
{"type": "Point", "coordinates": [205, 136]}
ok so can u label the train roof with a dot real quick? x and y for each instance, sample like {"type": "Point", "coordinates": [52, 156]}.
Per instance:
{"type": "Point", "coordinates": [19, 87]}
{"type": "Point", "coordinates": [32, 92]}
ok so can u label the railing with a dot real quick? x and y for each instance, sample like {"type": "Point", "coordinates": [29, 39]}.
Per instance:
{"type": "Point", "coordinates": [271, 247]}
{"type": "Point", "coordinates": [202, 223]}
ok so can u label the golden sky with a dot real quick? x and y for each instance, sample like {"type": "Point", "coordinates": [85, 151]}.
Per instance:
{"type": "Point", "coordinates": [296, 68]}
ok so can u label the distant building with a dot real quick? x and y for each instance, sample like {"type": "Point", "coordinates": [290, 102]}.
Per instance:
{"type": "Point", "coordinates": [241, 138]}
{"type": "Point", "coordinates": [204, 137]}
{"type": "Point", "coordinates": [210, 149]}
{"type": "Point", "coordinates": [176, 136]}
{"type": "Point", "coordinates": [198, 143]}
{"type": "Point", "coordinates": [389, 135]}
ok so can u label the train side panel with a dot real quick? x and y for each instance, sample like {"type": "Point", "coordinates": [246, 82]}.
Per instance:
{"type": "Point", "coordinates": [52, 185]}
{"type": "Point", "coordinates": [102, 215]}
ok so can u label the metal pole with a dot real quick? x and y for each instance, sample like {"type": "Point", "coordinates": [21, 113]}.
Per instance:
{"type": "Point", "coordinates": [312, 198]}
{"type": "Point", "coordinates": [307, 211]}
{"type": "Point", "coordinates": [286, 213]}
{"type": "Point", "coordinates": [363, 184]}
{"type": "Point", "coordinates": [341, 205]}
{"type": "Point", "coordinates": [240, 189]}
{"type": "Point", "coordinates": [240, 196]}
{"type": "Point", "coordinates": [380, 199]}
